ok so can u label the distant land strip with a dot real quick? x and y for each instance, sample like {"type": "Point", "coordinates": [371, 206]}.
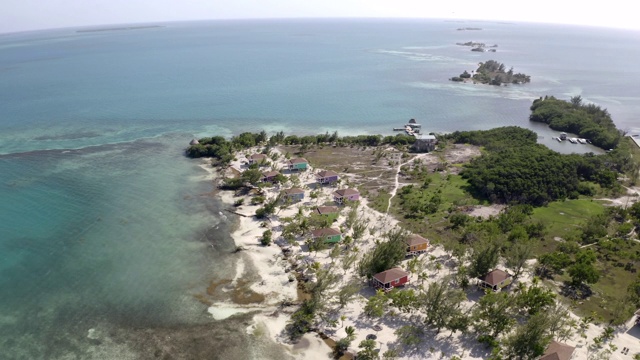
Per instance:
{"type": "Point", "coordinates": [121, 28]}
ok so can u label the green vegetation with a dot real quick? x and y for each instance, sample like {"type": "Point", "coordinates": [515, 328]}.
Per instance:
{"type": "Point", "coordinates": [493, 73]}
{"type": "Point", "coordinates": [587, 120]}
{"type": "Point", "coordinates": [516, 170]}
{"type": "Point", "coordinates": [222, 149]}
{"type": "Point", "coordinates": [385, 255]}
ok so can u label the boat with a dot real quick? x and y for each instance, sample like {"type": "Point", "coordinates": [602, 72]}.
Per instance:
{"type": "Point", "coordinates": [573, 140]}
{"type": "Point", "coordinates": [563, 136]}
{"type": "Point", "coordinates": [582, 141]}
{"type": "Point", "coordinates": [559, 140]}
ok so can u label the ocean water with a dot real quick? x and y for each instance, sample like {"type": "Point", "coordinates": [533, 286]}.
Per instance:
{"type": "Point", "coordinates": [108, 234]}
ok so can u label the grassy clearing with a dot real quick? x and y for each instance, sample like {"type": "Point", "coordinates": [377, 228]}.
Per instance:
{"type": "Point", "coordinates": [563, 217]}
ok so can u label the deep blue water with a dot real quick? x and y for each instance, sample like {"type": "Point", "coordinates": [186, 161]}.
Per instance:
{"type": "Point", "coordinates": [105, 225]}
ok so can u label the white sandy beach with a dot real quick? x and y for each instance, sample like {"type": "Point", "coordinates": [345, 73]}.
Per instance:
{"type": "Point", "coordinates": [277, 286]}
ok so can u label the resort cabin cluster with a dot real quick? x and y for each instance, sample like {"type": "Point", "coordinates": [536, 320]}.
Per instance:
{"type": "Point", "coordinates": [396, 277]}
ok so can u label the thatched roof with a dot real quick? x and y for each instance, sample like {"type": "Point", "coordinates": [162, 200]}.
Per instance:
{"type": "Point", "coordinates": [194, 142]}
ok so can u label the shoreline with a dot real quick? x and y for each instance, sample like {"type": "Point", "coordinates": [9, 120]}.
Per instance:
{"type": "Point", "coordinates": [281, 296]}
{"type": "Point", "coordinates": [274, 270]}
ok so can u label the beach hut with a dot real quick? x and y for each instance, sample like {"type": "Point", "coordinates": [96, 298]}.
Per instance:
{"type": "Point", "coordinates": [293, 194]}
{"type": "Point", "coordinates": [496, 280]}
{"type": "Point", "coordinates": [298, 164]}
{"type": "Point", "coordinates": [257, 158]}
{"type": "Point", "coordinates": [326, 177]}
{"type": "Point", "coordinates": [194, 142]}
{"type": "Point", "coordinates": [392, 278]}
{"type": "Point", "coordinates": [269, 176]}
{"type": "Point", "coordinates": [416, 244]}
{"type": "Point", "coordinates": [330, 212]}
{"type": "Point", "coordinates": [329, 235]}
{"type": "Point", "coordinates": [558, 351]}
{"type": "Point", "coordinates": [341, 195]}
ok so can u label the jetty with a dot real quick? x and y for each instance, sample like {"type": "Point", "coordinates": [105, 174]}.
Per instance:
{"type": "Point", "coordinates": [411, 128]}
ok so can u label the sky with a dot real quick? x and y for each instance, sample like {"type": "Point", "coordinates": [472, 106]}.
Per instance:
{"type": "Point", "coordinates": [24, 15]}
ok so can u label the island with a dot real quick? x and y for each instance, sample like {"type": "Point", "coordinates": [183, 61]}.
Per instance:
{"type": "Point", "coordinates": [468, 28]}
{"type": "Point", "coordinates": [489, 246]}
{"type": "Point", "coordinates": [493, 73]}
{"type": "Point", "coordinates": [479, 47]}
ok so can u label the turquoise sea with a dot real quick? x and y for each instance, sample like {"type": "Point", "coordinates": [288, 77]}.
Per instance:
{"type": "Point", "coordinates": [107, 232]}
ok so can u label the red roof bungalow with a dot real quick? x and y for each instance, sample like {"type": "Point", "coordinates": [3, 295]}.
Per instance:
{"type": "Point", "coordinates": [387, 280]}
{"type": "Point", "coordinates": [257, 158]}
{"type": "Point", "coordinates": [558, 351]}
{"type": "Point", "coordinates": [495, 280]}
{"type": "Point", "coordinates": [416, 244]}
{"type": "Point", "coordinates": [269, 176]}
{"type": "Point", "coordinates": [326, 177]}
{"type": "Point", "coordinates": [346, 194]}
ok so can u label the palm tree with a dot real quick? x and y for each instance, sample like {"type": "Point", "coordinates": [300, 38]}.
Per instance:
{"type": "Point", "coordinates": [351, 332]}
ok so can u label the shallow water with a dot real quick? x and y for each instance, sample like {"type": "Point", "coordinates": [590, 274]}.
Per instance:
{"type": "Point", "coordinates": [109, 235]}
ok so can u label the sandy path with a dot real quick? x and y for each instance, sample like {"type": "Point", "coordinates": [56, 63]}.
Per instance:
{"type": "Point", "coordinates": [397, 182]}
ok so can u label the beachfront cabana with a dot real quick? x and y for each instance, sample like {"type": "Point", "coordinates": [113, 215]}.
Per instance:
{"type": "Point", "coordinates": [298, 164]}
{"type": "Point", "coordinates": [194, 142]}
{"type": "Point", "coordinates": [330, 236]}
{"type": "Point", "coordinates": [558, 351]}
{"type": "Point", "coordinates": [390, 279]}
{"type": "Point", "coordinates": [269, 176]}
{"type": "Point", "coordinates": [256, 158]}
{"type": "Point", "coordinates": [330, 212]}
{"type": "Point", "coordinates": [293, 194]}
{"type": "Point", "coordinates": [341, 195]}
{"type": "Point", "coordinates": [416, 244]}
{"type": "Point", "coordinates": [496, 280]}
{"type": "Point", "coordinates": [326, 177]}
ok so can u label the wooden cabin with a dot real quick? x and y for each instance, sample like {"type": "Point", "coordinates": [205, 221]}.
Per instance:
{"type": "Point", "coordinates": [330, 212]}
{"type": "Point", "coordinates": [340, 196]}
{"type": "Point", "coordinates": [298, 164]}
{"type": "Point", "coordinates": [416, 244]}
{"type": "Point", "coordinates": [326, 177]}
{"type": "Point", "coordinates": [330, 236]}
{"type": "Point", "coordinates": [390, 279]}
{"type": "Point", "coordinates": [496, 280]}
